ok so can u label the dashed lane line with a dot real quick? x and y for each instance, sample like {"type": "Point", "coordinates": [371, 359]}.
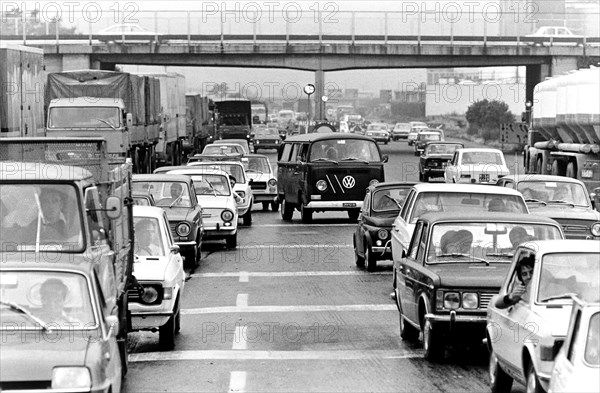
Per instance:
{"type": "Point", "coordinates": [241, 300]}
{"type": "Point", "coordinates": [301, 226]}
{"type": "Point", "coordinates": [289, 274]}
{"type": "Point", "coordinates": [273, 309]}
{"type": "Point", "coordinates": [273, 355]}
{"type": "Point", "coordinates": [292, 246]}
{"type": "Point", "coordinates": [239, 338]}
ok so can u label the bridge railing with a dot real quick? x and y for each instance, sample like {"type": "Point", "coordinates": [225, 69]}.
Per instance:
{"type": "Point", "coordinates": [447, 25]}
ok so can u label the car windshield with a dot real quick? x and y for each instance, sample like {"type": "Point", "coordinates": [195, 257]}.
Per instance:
{"type": "Point", "coordinates": [428, 202]}
{"type": "Point", "coordinates": [345, 149]}
{"type": "Point", "coordinates": [402, 126]}
{"type": "Point", "coordinates": [481, 158]}
{"type": "Point", "coordinates": [442, 149]}
{"type": "Point", "coordinates": [141, 200]}
{"type": "Point", "coordinates": [257, 164]}
{"type": "Point", "coordinates": [592, 346]}
{"type": "Point", "coordinates": [166, 193]}
{"type": "Point", "coordinates": [40, 217]}
{"type": "Point", "coordinates": [564, 273]}
{"type": "Point", "coordinates": [235, 170]}
{"type": "Point", "coordinates": [376, 127]}
{"type": "Point", "coordinates": [487, 241]}
{"type": "Point", "coordinates": [223, 149]}
{"type": "Point", "coordinates": [84, 117]}
{"type": "Point", "coordinates": [34, 299]}
{"type": "Point", "coordinates": [389, 200]}
{"type": "Point", "coordinates": [430, 137]}
{"type": "Point", "coordinates": [148, 241]}
{"type": "Point", "coordinates": [558, 192]}
{"type": "Point", "coordinates": [267, 132]}
{"type": "Point", "coordinates": [211, 185]}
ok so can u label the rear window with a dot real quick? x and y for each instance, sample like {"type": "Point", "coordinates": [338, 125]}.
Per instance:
{"type": "Point", "coordinates": [482, 158]}
{"type": "Point", "coordinates": [592, 346]}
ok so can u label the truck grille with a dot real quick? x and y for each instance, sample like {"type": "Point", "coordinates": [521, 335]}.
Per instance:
{"type": "Point", "coordinates": [258, 185]}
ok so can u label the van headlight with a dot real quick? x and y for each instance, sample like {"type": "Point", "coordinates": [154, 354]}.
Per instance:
{"type": "Point", "coordinates": [470, 300]}
{"type": "Point", "coordinates": [374, 181]}
{"type": "Point", "coordinates": [596, 229]}
{"type": "Point", "coordinates": [71, 378]}
{"type": "Point", "coordinates": [451, 300]}
{"type": "Point", "coordinates": [227, 215]}
{"type": "Point", "coordinates": [321, 185]}
{"type": "Point", "coordinates": [241, 194]}
{"type": "Point", "coordinates": [382, 234]}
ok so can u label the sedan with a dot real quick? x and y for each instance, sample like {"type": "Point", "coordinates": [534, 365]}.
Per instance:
{"type": "Point", "coordinates": [435, 157]}
{"type": "Point", "coordinates": [263, 180]}
{"type": "Point", "coordinates": [475, 165]}
{"type": "Point", "coordinates": [266, 138]}
{"type": "Point", "coordinates": [158, 269]}
{"type": "Point", "coordinates": [379, 132]}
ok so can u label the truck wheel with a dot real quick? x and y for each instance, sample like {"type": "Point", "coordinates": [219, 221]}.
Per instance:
{"type": "Point", "coordinates": [431, 343]}
{"type": "Point", "coordinates": [274, 206]}
{"type": "Point", "coordinates": [231, 241]}
{"type": "Point", "coordinates": [500, 381]}
{"type": "Point", "coordinates": [305, 214]}
{"type": "Point", "coordinates": [265, 205]}
{"type": "Point", "coordinates": [287, 210]}
{"type": "Point", "coordinates": [533, 382]}
{"type": "Point", "coordinates": [247, 218]}
{"type": "Point", "coordinates": [166, 334]}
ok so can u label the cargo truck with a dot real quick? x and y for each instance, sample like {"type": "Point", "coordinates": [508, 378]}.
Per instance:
{"type": "Point", "coordinates": [22, 84]}
{"type": "Point", "coordinates": [234, 119]}
{"type": "Point", "coordinates": [87, 229]}
{"type": "Point", "coordinates": [105, 104]}
{"type": "Point", "coordinates": [199, 124]}
{"type": "Point", "coordinates": [564, 137]}
{"type": "Point", "coordinates": [260, 113]}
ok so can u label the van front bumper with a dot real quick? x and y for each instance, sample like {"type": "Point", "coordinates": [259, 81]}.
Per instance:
{"type": "Point", "coordinates": [334, 205]}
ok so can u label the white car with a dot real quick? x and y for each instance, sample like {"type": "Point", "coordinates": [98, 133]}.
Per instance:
{"type": "Point", "coordinates": [439, 197]}
{"type": "Point", "coordinates": [224, 149]}
{"type": "Point", "coordinates": [379, 132]}
{"type": "Point", "coordinates": [474, 165]}
{"type": "Point", "coordinates": [400, 130]}
{"type": "Point", "coordinates": [158, 269]}
{"type": "Point", "coordinates": [415, 129]}
{"type": "Point", "coordinates": [550, 33]}
{"type": "Point", "coordinates": [242, 142]}
{"type": "Point", "coordinates": [215, 195]}
{"type": "Point", "coordinates": [263, 180]}
{"type": "Point", "coordinates": [241, 187]}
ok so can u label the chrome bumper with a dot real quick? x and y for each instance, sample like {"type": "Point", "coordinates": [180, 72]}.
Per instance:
{"type": "Point", "coordinates": [334, 205]}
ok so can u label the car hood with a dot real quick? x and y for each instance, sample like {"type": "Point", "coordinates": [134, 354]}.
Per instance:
{"type": "Point", "coordinates": [214, 202]}
{"type": "Point", "coordinates": [381, 221]}
{"type": "Point", "coordinates": [179, 213]}
{"type": "Point", "coordinates": [564, 212]}
{"type": "Point", "coordinates": [18, 351]}
{"type": "Point", "coordinates": [151, 268]}
{"type": "Point", "coordinates": [474, 274]}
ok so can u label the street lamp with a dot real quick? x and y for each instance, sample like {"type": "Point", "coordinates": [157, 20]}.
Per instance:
{"type": "Point", "coordinates": [309, 89]}
{"type": "Point", "coordinates": [324, 100]}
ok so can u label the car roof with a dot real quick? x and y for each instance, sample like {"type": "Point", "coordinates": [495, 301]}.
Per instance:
{"type": "Point", "coordinates": [313, 137]}
{"type": "Point", "coordinates": [487, 217]}
{"type": "Point", "coordinates": [567, 245]}
{"type": "Point", "coordinates": [467, 188]}
{"type": "Point", "coordinates": [46, 262]}
{"type": "Point", "coordinates": [476, 149]}
{"type": "Point", "coordinates": [381, 185]}
{"type": "Point", "coordinates": [201, 163]}
{"type": "Point", "coordinates": [443, 143]}
{"type": "Point", "coordinates": [191, 171]}
{"type": "Point", "coordinates": [162, 177]}
{"type": "Point", "coordinates": [148, 211]}
{"type": "Point", "coordinates": [242, 142]}
{"type": "Point", "coordinates": [542, 178]}
{"type": "Point", "coordinates": [254, 155]}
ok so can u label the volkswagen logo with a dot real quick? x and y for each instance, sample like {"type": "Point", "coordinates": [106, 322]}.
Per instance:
{"type": "Point", "coordinates": [348, 182]}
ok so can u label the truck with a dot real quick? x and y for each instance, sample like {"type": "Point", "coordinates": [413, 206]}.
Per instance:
{"type": "Point", "coordinates": [260, 113]}
{"type": "Point", "coordinates": [169, 149]}
{"type": "Point", "coordinates": [564, 136]}
{"type": "Point", "coordinates": [199, 123]}
{"type": "Point", "coordinates": [234, 119]}
{"type": "Point", "coordinates": [106, 104]}
{"type": "Point", "coordinates": [94, 210]}
{"type": "Point", "coordinates": [22, 83]}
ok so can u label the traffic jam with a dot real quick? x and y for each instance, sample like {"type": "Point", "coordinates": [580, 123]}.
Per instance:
{"type": "Point", "coordinates": [102, 235]}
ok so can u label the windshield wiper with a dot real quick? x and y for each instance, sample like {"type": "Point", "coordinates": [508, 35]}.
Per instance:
{"type": "Point", "coordinates": [395, 201]}
{"type": "Point", "coordinates": [15, 307]}
{"type": "Point", "coordinates": [107, 123]}
{"type": "Point", "coordinates": [563, 202]}
{"type": "Point", "coordinates": [355, 159]}
{"type": "Point", "coordinates": [176, 200]}
{"type": "Point", "coordinates": [457, 254]}
{"type": "Point", "coordinates": [568, 295]}
{"type": "Point", "coordinates": [325, 159]}
{"type": "Point", "coordinates": [536, 201]}
{"type": "Point", "coordinates": [212, 188]}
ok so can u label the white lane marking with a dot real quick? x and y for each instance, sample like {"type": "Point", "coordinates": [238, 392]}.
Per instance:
{"type": "Point", "coordinates": [237, 381]}
{"type": "Point", "coordinates": [291, 274]}
{"type": "Point", "coordinates": [242, 300]}
{"type": "Point", "coordinates": [244, 276]}
{"type": "Point", "coordinates": [273, 355]}
{"type": "Point", "coordinates": [239, 338]}
{"type": "Point", "coordinates": [291, 226]}
{"type": "Point", "coordinates": [270, 309]}
{"type": "Point", "coordinates": [292, 246]}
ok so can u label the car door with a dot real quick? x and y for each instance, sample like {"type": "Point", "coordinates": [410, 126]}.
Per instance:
{"type": "Point", "coordinates": [406, 281]}
{"type": "Point", "coordinates": [297, 175]}
{"type": "Point", "coordinates": [360, 229]}
{"type": "Point", "coordinates": [451, 171]}
{"type": "Point", "coordinates": [400, 229]}
{"type": "Point", "coordinates": [564, 365]}
{"type": "Point", "coordinates": [283, 169]}
{"type": "Point", "coordinates": [175, 258]}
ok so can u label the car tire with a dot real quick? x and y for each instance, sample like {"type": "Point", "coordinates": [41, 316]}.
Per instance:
{"type": "Point", "coordinates": [359, 260]}
{"type": "Point", "coordinates": [231, 241]}
{"type": "Point", "coordinates": [500, 381]}
{"type": "Point", "coordinates": [370, 259]}
{"type": "Point", "coordinates": [178, 318]}
{"type": "Point", "coordinates": [305, 214]}
{"type": "Point", "coordinates": [431, 343]}
{"type": "Point", "coordinates": [265, 206]}
{"type": "Point", "coordinates": [532, 384]}
{"type": "Point", "coordinates": [353, 214]}
{"type": "Point", "coordinates": [274, 206]}
{"type": "Point", "coordinates": [287, 210]}
{"type": "Point", "coordinates": [247, 218]}
{"type": "Point", "coordinates": [192, 258]}
{"type": "Point", "coordinates": [407, 331]}
{"type": "Point", "coordinates": [166, 335]}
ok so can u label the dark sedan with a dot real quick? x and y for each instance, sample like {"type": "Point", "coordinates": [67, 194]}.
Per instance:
{"type": "Point", "coordinates": [381, 206]}
{"type": "Point", "coordinates": [435, 157]}
{"type": "Point", "coordinates": [266, 138]}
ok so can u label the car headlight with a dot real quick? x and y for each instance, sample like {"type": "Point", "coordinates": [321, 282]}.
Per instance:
{"type": "Point", "coordinates": [149, 295]}
{"type": "Point", "coordinates": [382, 234]}
{"type": "Point", "coordinates": [470, 300]}
{"type": "Point", "coordinates": [374, 181]}
{"type": "Point", "coordinates": [183, 229]}
{"type": "Point", "coordinates": [256, 141]}
{"type": "Point", "coordinates": [451, 300]}
{"type": "Point", "coordinates": [272, 183]}
{"type": "Point", "coordinates": [596, 229]}
{"type": "Point", "coordinates": [226, 215]}
{"type": "Point", "coordinates": [71, 378]}
{"type": "Point", "coordinates": [241, 194]}
{"type": "Point", "coordinates": [321, 185]}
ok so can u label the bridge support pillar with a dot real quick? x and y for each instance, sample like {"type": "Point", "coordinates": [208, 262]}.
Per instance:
{"type": "Point", "coordinates": [319, 92]}
{"type": "Point", "coordinates": [534, 74]}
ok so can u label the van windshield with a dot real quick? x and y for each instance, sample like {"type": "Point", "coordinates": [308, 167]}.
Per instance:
{"type": "Point", "coordinates": [344, 150]}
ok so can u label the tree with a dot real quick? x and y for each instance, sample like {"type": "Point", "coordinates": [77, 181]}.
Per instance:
{"type": "Point", "coordinates": [485, 118]}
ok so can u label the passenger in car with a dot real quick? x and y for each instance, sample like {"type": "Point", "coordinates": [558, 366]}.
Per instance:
{"type": "Point", "coordinates": [496, 205]}
{"type": "Point", "coordinates": [519, 286]}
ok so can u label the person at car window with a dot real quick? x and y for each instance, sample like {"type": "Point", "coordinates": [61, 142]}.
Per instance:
{"type": "Point", "coordinates": [176, 192]}
{"type": "Point", "coordinates": [53, 296]}
{"type": "Point", "coordinates": [496, 205]}
{"type": "Point", "coordinates": [519, 235]}
{"type": "Point", "coordinates": [147, 241]}
{"type": "Point", "coordinates": [519, 286]}
{"type": "Point", "coordinates": [385, 201]}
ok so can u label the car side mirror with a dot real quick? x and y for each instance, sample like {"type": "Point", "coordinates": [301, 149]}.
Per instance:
{"type": "Point", "coordinates": [385, 158]}
{"type": "Point", "coordinates": [112, 321]}
{"type": "Point", "coordinates": [175, 249]}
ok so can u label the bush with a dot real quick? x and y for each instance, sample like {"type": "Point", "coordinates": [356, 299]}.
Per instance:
{"type": "Point", "coordinates": [485, 118]}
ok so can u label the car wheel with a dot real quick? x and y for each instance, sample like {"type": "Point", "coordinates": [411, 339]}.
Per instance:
{"type": "Point", "coordinates": [370, 258]}
{"type": "Point", "coordinates": [407, 331]}
{"type": "Point", "coordinates": [178, 318]}
{"type": "Point", "coordinates": [431, 343]}
{"type": "Point", "coordinates": [274, 206]}
{"type": "Point", "coordinates": [247, 218]}
{"type": "Point", "coordinates": [192, 258]}
{"type": "Point", "coordinates": [265, 205]}
{"type": "Point", "coordinates": [500, 381]}
{"type": "Point", "coordinates": [353, 214]}
{"type": "Point", "coordinates": [287, 211]}
{"type": "Point", "coordinates": [231, 241]}
{"type": "Point", "coordinates": [166, 334]}
{"type": "Point", "coordinates": [359, 260]}
{"type": "Point", "coordinates": [305, 214]}
{"type": "Point", "coordinates": [533, 382]}
{"type": "Point", "coordinates": [385, 143]}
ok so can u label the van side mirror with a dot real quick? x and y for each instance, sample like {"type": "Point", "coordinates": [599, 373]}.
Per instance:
{"type": "Point", "coordinates": [385, 158]}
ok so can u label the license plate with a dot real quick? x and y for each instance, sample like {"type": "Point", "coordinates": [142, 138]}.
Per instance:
{"type": "Point", "coordinates": [586, 173]}
{"type": "Point", "coordinates": [349, 205]}
{"type": "Point", "coordinates": [484, 177]}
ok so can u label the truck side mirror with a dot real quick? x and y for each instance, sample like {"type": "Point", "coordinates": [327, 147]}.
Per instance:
{"type": "Point", "coordinates": [113, 207]}
{"type": "Point", "coordinates": [129, 120]}
{"type": "Point", "coordinates": [385, 158]}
